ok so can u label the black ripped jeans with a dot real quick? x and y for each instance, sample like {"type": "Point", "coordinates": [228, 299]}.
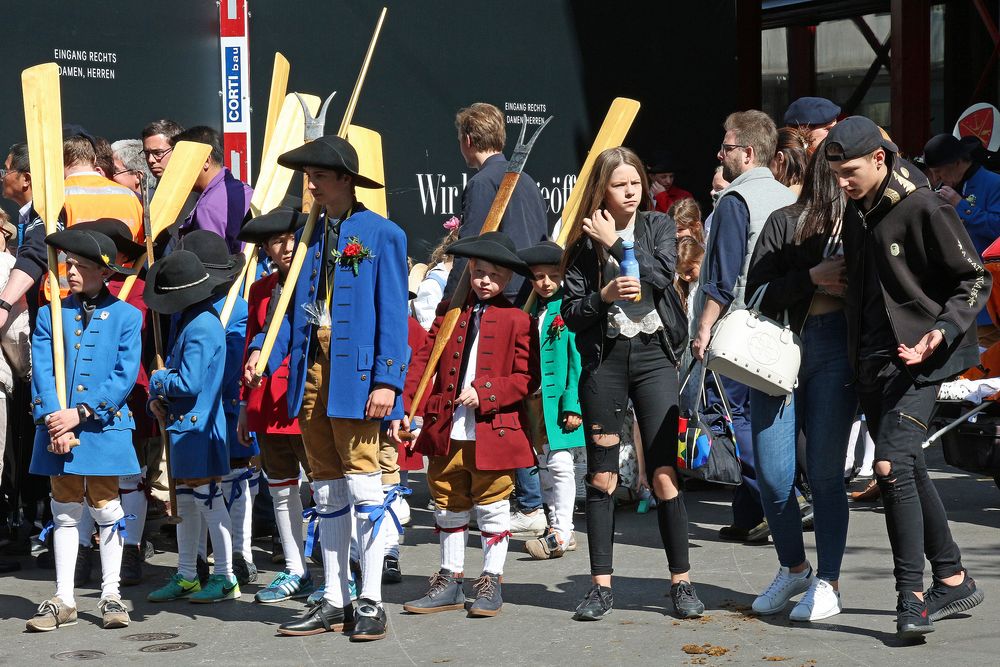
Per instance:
{"type": "Point", "coordinates": [632, 368]}
{"type": "Point", "coordinates": [898, 412]}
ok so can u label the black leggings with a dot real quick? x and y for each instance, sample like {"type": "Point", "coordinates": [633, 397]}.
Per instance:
{"type": "Point", "coordinates": [636, 368]}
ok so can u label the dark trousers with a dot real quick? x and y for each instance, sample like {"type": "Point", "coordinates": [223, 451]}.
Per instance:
{"type": "Point", "coordinates": [898, 412]}
{"type": "Point", "coordinates": [637, 369]}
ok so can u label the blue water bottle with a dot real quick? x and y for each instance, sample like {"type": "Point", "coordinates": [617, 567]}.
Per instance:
{"type": "Point", "coordinates": [629, 266]}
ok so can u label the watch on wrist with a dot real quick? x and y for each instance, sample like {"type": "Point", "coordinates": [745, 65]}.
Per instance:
{"type": "Point", "coordinates": [5, 305]}
{"type": "Point", "coordinates": [81, 410]}
{"type": "Point", "coordinates": [944, 336]}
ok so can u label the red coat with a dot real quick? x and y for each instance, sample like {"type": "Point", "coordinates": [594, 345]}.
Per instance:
{"type": "Point", "coordinates": [416, 338]}
{"type": "Point", "coordinates": [145, 425]}
{"type": "Point", "coordinates": [506, 372]}
{"type": "Point", "coordinates": [267, 405]}
{"type": "Point", "coordinates": [667, 198]}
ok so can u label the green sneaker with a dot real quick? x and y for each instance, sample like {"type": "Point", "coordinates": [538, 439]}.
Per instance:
{"type": "Point", "coordinates": [219, 588]}
{"type": "Point", "coordinates": [178, 587]}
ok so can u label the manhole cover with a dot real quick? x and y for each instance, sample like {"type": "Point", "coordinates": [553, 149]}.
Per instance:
{"type": "Point", "coordinates": [151, 637]}
{"type": "Point", "coordinates": [79, 655]}
{"type": "Point", "coordinates": [168, 647]}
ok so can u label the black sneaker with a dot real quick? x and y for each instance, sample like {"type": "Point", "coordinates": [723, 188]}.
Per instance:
{"type": "Point", "coordinates": [84, 558]}
{"type": "Point", "coordinates": [912, 620]}
{"type": "Point", "coordinates": [596, 605]}
{"type": "Point", "coordinates": [391, 574]}
{"type": "Point", "coordinates": [685, 599]}
{"type": "Point", "coordinates": [201, 567]}
{"type": "Point", "coordinates": [131, 573]}
{"type": "Point", "coordinates": [324, 617]}
{"type": "Point", "coordinates": [944, 601]}
{"type": "Point", "coordinates": [245, 571]}
{"type": "Point", "coordinates": [488, 601]}
{"type": "Point", "coordinates": [370, 621]}
{"type": "Point", "coordinates": [445, 594]}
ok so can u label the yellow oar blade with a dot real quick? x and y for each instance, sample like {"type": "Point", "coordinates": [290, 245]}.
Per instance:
{"type": "Point", "coordinates": [289, 133]}
{"type": "Point", "coordinates": [43, 121]}
{"type": "Point", "coordinates": [279, 84]}
{"type": "Point", "coordinates": [186, 161]}
{"type": "Point", "coordinates": [368, 144]}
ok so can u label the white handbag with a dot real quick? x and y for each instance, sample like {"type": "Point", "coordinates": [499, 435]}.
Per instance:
{"type": "Point", "coordinates": [755, 350]}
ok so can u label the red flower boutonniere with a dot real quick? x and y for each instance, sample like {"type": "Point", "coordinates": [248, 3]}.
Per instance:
{"type": "Point", "coordinates": [353, 254]}
{"type": "Point", "coordinates": [557, 327]}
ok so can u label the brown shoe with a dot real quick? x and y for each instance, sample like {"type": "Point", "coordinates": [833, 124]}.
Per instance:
{"type": "Point", "coordinates": [51, 614]}
{"type": "Point", "coordinates": [545, 547]}
{"type": "Point", "coordinates": [114, 612]}
{"type": "Point", "coordinates": [869, 495]}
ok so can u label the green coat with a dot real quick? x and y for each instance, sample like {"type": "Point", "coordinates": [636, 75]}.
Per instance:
{"type": "Point", "coordinates": [560, 364]}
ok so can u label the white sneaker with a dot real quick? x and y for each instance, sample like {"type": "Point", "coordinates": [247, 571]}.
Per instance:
{"type": "Point", "coordinates": [785, 586]}
{"type": "Point", "coordinates": [528, 525]}
{"type": "Point", "coordinates": [820, 601]}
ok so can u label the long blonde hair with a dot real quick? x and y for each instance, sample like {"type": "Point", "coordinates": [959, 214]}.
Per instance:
{"type": "Point", "coordinates": [596, 187]}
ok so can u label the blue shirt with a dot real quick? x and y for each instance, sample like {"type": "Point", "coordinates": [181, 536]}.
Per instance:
{"type": "Point", "coordinates": [726, 250]}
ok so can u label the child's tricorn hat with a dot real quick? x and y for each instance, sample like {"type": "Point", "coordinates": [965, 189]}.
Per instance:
{"type": "Point", "coordinates": [91, 245]}
{"type": "Point", "coordinates": [546, 252]}
{"type": "Point", "coordinates": [117, 231]}
{"type": "Point", "coordinates": [328, 152]}
{"type": "Point", "coordinates": [177, 282]}
{"type": "Point", "coordinates": [280, 220]}
{"type": "Point", "coordinates": [495, 247]}
{"type": "Point", "coordinates": [213, 252]}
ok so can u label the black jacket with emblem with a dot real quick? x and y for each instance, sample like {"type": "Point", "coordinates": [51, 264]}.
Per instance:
{"type": "Point", "coordinates": [930, 273]}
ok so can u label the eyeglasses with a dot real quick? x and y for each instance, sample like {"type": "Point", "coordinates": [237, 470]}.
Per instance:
{"type": "Point", "coordinates": [725, 148]}
{"type": "Point", "coordinates": [4, 172]}
{"type": "Point", "coordinates": [157, 154]}
{"type": "Point", "coordinates": [124, 171]}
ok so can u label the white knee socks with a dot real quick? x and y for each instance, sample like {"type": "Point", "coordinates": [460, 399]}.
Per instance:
{"type": "Point", "coordinates": [239, 494]}
{"type": "Point", "coordinates": [390, 541]}
{"type": "Point", "coordinates": [494, 524]}
{"type": "Point", "coordinates": [213, 512]}
{"type": "Point", "coordinates": [134, 502]}
{"type": "Point", "coordinates": [453, 533]}
{"type": "Point", "coordinates": [288, 519]}
{"type": "Point", "coordinates": [366, 496]}
{"type": "Point", "coordinates": [66, 543]}
{"type": "Point", "coordinates": [561, 494]}
{"type": "Point", "coordinates": [188, 534]}
{"type": "Point", "coordinates": [335, 535]}
{"type": "Point", "coordinates": [110, 521]}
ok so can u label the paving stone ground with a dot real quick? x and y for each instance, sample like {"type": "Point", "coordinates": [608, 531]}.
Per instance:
{"type": "Point", "coordinates": [535, 626]}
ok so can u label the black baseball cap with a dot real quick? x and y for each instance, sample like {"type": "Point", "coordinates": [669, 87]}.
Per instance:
{"type": "Point", "coordinates": [854, 137]}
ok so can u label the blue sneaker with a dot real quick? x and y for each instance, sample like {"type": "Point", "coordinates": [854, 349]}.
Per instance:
{"type": "Point", "coordinates": [286, 586]}
{"type": "Point", "coordinates": [316, 597]}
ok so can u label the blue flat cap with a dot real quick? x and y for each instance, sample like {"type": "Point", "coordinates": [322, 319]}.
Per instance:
{"type": "Point", "coordinates": [811, 111]}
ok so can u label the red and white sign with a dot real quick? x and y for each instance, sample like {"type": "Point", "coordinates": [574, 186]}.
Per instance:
{"type": "Point", "coordinates": [235, 56]}
{"type": "Point", "coordinates": [982, 121]}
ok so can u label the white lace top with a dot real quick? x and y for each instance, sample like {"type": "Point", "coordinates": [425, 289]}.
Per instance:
{"type": "Point", "coordinates": [629, 319]}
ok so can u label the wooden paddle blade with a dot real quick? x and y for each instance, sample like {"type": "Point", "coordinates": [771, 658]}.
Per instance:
{"type": "Point", "coordinates": [186, 161]}
{"type": "Point", "coordinates": [368, 144]}
{"type": "Point", "coordinates": [249, 250]}
{"type": "Point", "coordinates": [616, 125]}
{"type": "Point", "coordinates": [289, 133]}
{"type": "Point", "coordinates": [279, 86]}
{"type": "Point", "coordinates": [43, 121]}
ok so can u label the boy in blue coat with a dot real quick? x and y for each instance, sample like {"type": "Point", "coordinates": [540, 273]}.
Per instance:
{"type": "Point", "coordinates": [86, 446]}
{"type": "Point", "coordinates": [240, 485]}
{"type": "Point", "coordinates": [346, 334]}
{"type": "Point", "coordinates": [187, 396]}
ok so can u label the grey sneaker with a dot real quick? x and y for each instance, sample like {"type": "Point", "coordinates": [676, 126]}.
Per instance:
{"type": "Point", "coordinates": [685, 599]}
{"type": "Point", "coordinates": [488, 601]}
{"type": "Point", "coordinates": [245, 571]}
{"type": "Point", "coordinates": [598, 604]}
{"type": "Point", "coordinates": [51, 614]}
{"type": "Point", "coordinates": [446, 593]}
{"type": "Point", "coordinates": [114, 613]}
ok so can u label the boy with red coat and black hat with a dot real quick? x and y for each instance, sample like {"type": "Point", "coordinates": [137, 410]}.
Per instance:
{"type": "Point", "coordinates": [472, 424]}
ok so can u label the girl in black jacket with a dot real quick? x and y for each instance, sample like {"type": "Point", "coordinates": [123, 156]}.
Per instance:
{"type": "Point", "coordinates": [629, 333]}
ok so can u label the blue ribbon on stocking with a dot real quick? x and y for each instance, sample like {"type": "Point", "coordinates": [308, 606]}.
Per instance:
{"type": "Point", "coordinates": [313, 515]}
{"type": "Point", "coordinates": [376, 513]}
{"type": "Point", "coordinates": [237, 489]}
{"type": "Point", "coordinates": [119, 527]}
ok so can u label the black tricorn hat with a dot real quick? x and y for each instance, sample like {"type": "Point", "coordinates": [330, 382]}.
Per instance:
{"type": "Point", "coordinates": [280, 220]}
{"type": "Point", "coordinates": [213, 253]}
{"type": "Point", "coordinates": [494, 247]}
{"type": "Point", "coordinates": [546, 252]}
{"type": "Point", "coordinates": [178, 281]}
{"type": "Point", "coordinates": [661, 162]}
{"type": "Point", "coordinates": [91, 245]}
{"type": "Point", "coordinates": [117, 231]}
{"type": "Point", "coordinates": [945, 149]}
{"type": "Point", "coordinates": [328, 152]}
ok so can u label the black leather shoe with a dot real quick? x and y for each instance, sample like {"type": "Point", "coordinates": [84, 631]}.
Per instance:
{"type": "Point", "coordinates": [391, 574]}
{"type": "Point", "coordinates": [324, 617]}
{"type": "Point", "coordinates": [131, 572]}
{"type": "Point", "coordinates": [370, 621]}
{"type": "Point", "coordinates": [7, 566]}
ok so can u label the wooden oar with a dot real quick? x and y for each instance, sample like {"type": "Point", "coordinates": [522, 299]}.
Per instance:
{"type": "Point", "coordinates": [491, 224]}
{"type": "Point", "coordinates": [279, 84]}
{"type": "Point", "coordinates": [302, 247]}
{"type": "Point", "coordinates": [615, 127]}
{"type": "Point", "coordinates": [368, 144]}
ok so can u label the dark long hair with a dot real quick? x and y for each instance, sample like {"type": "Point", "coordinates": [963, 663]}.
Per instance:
{"type": "Point", "coordinates": [821, 204]}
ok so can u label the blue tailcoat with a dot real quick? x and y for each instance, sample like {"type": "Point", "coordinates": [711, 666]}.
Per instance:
{"type": "Point", "coordinates": [191, 387]}
{"type": "Point", "coordinates": [979, 210]}
{"type": "Point", "coordinates": [369, 313]}
{"type": "Point", "coordinates": [236, 333]}
{"type": "Point", "coordinates": [102, 363]}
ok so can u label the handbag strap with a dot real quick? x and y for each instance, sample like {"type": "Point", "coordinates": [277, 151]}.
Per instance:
{"type": "Point", "coordinates": [758, 298]}
{"type": "Point", "coordinates": [722, 395]}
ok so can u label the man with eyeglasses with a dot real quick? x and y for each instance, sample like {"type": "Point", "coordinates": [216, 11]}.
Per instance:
{"type": "Point", "coordinates": [130, 165]}
{"type": "Point", "coordinates": [156, 146]}
{"type": "Point", "coordinates": [741, 209]}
